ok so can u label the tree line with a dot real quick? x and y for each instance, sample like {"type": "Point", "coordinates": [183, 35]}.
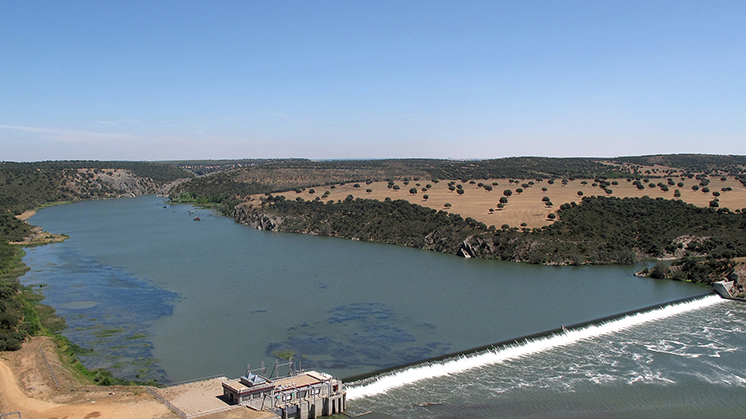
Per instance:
{"type": "Point", "coordinates": [597, 230]}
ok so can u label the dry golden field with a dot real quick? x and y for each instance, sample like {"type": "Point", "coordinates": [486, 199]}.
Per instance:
{"type": "Point", "coordinates": [528, 206]}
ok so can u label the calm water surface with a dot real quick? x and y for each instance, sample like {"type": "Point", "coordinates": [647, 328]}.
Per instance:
{"type": "Point", "coordinates": [158, 295]}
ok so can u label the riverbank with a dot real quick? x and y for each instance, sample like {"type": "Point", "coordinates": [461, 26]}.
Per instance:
{"type": "Point", "coordinates": [35, 382]}
{"type": "Point", "coordinates": [38, 236]}
{"type": "Point", "coordinates": [598, 230]}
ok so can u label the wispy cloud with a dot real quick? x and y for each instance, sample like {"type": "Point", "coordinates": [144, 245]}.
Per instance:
{"type": "Point", "coordinates": [73, 136]}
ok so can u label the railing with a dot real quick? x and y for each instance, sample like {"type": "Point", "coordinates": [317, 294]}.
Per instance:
{"type": "Point", "coordinates": [167, 403]}
{"type": "Point", "coordinates": [56, 383]}
{"type": "Point", "coordinates": [197, 379]}
{"type": "Point", "coordinates": [181, 413]}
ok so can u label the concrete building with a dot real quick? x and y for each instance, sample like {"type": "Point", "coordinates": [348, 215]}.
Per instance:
{"type": "Point", "coordinates": [301, 395]}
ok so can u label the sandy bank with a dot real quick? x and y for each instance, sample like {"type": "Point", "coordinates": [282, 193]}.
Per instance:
{"type": "Point", "coordinates": [42, 388]}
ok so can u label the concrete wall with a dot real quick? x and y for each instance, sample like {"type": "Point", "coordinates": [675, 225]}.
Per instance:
{"type": "Point", "coordinates": [723, 288]}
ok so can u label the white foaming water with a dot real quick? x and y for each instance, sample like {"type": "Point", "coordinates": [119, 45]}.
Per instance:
{"type": "Point", "coordinates": [401, 378]}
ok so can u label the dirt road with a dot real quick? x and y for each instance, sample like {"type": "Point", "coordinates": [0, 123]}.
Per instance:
{"type": "Point", "coordinates": [43, 389]}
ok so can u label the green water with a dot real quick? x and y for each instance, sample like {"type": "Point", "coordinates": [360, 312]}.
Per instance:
{"type": "Point", "coordinates": [159, 295]}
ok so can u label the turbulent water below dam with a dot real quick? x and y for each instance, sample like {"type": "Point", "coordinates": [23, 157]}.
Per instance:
{"type": "Point", "coordinates": [158, 295]}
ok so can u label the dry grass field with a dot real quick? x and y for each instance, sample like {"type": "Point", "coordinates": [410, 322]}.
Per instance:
{"type": "Point", "coordinates": [528, 206]}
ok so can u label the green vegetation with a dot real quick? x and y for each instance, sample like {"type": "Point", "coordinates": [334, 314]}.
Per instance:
{"type": "Point", "coordinates": [691, 163]}
{"type": "Point", "coordinates": [100, 376]}
{"type": "Point", "coordinates": [21, 315]}
{"type": "Point", "coordinates": [651, 226]}
{"type": "Point", "coordinates": [24, 186]}
{"type": "Point", "coordinates": [222, 202]}
{"type": "Point", "coordinates": [158, 172]}
{"type": "Point", "coordinates": [394, 222]}
{"type": "Point", "coordinates": [598, 230]}
{"type": "Point", "coordinates": [286, 354]}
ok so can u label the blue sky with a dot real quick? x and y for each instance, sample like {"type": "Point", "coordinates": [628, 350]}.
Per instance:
{"type": "Point", "coordinates": [166, 80]}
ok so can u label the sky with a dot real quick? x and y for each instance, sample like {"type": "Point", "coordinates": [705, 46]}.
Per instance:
{"type": "Point", "coordinates": [326, 79]}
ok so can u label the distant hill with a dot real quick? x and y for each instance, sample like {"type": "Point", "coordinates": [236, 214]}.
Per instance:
{"type": "Point", "coordinates": [25, 186]}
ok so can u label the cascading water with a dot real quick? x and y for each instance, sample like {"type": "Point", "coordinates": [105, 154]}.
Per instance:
{"type": "Point", "coordinates": [388, 381]}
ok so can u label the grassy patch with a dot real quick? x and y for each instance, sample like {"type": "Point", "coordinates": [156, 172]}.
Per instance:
{"type": "Point", "coordinates": [105, 333]}
{"type": "Point", "coordinates": [137, 336]}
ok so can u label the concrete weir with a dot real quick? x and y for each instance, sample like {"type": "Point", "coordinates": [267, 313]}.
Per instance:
{"type": "Point", "coordinates": [522, 347]}
{"type": "Point", "coordinates": [519, 340]}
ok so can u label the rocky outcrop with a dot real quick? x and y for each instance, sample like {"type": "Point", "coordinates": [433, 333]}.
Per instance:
{"type": "Point", "coordinates": [245, 213]}
{"type": "Point", "coordinates": [166, 188]}
{"type": "Point", "coordinates": [105, 183]}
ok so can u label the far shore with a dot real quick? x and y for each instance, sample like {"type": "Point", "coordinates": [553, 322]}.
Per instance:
{"type": "Point", "coordinates": [525, 207]}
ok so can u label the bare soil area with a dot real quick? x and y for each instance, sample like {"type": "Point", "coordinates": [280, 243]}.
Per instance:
{"type": "Point", "coordinates": [202, 397]}
{"type": "Point", "coordinates": [34, 382]}
{"type": "Point", "coordinates": [526, 207]}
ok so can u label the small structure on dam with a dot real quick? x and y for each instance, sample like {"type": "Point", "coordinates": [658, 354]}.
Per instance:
{"type": "Point", "coordinates": [299, 395]}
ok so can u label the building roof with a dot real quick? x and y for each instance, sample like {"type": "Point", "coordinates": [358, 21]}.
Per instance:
{"type": "Point", "coordinates": [301, 380]}
{"type": "Point", "coordinates": [251, 382]}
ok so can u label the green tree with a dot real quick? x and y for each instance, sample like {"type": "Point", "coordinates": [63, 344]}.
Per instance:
{"type": "Point", "coordinates": [659, 271]}
{"type": "Point", "coordinates": [413, 191]}
{"type": "Point", "coordinates": [507, 192]}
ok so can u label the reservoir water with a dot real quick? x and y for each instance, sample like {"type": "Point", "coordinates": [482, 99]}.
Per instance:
{"type": "Point", "coordinates": [158, 295]}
